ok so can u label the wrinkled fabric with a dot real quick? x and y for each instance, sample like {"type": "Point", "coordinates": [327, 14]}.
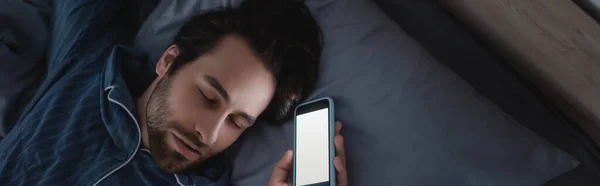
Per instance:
{"type": "Point", "coordinates": [23, 40]}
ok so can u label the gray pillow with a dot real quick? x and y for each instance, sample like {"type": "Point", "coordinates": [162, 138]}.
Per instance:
{"type": "Point", "coordinates": [408, 120]}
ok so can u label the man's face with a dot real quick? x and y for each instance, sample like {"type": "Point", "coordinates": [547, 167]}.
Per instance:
{"type": "Point", "coordinates": [203, 108]}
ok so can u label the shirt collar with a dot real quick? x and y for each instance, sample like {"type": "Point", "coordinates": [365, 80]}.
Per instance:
{"type": "Point", "coordinates": [128, 68]}
{"type": "Point", "coordinates": [118, 106]}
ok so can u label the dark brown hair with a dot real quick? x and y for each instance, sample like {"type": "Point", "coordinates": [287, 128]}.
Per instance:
{"type": "Point", "coordinates": [283, 34]}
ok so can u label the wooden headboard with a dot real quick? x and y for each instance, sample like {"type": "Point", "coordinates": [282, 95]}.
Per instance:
{"type": "Point", "coordinates": [553, 43]}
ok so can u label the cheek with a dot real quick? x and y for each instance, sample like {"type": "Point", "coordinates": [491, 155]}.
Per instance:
{"type": "Point", "coordinates": [184, 104]}
{"type": "Point", "coordinates": [227, 136]}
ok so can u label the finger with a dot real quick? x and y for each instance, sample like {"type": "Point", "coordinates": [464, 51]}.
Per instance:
{"type": "Point", "coordinates": [338, 127]}
{"type": "Point", "coordinates": [342, 174]}
{"type": "Point", "coordinates": [283, 166]}
{"type": "Point", "coordinates": [340, 150]}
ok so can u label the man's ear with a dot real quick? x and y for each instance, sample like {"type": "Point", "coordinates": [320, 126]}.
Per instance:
{"type": "Point", "coordinates": [165, 61]}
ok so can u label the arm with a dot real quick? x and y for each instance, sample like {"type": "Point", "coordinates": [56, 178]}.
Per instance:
{"type": "Point", "coordinates": [23, 40]}
{"type": "Point", "coordinates": [75, 26]}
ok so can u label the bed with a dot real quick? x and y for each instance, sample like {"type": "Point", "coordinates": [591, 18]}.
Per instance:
{"type": "Point", "coordinates": [450, 44]}
{"type": "Point", "coordinates": [458, 48]}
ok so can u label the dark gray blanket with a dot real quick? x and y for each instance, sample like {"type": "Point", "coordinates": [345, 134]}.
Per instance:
{"type": "Point", "coordinates": [24, 37]}
{"type": "Point", "coordinates": [23, 40]}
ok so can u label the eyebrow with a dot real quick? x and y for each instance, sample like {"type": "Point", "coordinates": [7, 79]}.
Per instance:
{"type": "Point", "coordinates": [217, 86]}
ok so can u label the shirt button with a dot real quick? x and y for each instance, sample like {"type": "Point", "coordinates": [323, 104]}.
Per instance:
{"type": "Point", "coordinates": [122, 157]}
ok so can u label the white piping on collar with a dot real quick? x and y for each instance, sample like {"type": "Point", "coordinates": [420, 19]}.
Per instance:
{"type": "Point", "coordinates": [179, 181]}
{"type": "Point", "coordinates": [138, 130]}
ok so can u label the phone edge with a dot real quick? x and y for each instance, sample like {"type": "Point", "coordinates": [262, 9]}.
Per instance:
{"type": "Point", "coordinates": [332, 176]}
{"type": "Point", "coordinates": [332, 171]}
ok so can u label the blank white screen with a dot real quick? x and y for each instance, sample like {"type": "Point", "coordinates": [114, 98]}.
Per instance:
{"type": "Point", "coordinates": [312, 147]}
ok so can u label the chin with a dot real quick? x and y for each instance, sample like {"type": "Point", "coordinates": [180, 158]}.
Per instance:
{"type": "Point", "coordinates": [176, 163]}
{"type": "Point", "coordinates": [171, 165]}
{"type": "Point", "coordinates": [171, 161]}
{"type": "Point", "coordinates": [168, 158]}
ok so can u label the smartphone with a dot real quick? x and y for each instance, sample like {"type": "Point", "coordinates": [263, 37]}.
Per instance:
{"type": "Point", "coordinates": [313, 143]}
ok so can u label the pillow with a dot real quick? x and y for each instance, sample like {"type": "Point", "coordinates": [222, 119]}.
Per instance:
{"type": "Point", "coordinates": [407, 120]}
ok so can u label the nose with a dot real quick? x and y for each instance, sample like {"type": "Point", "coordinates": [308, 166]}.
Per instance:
{"type": "Point", "coordinates": [208, 128]}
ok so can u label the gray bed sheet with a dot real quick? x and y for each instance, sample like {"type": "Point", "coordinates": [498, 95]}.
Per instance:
{"type": "Point", "coordinates": [455, 47]}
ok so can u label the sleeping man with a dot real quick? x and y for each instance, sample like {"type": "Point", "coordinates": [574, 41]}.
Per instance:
{"type": "Point", "coordinates": [98, 120]}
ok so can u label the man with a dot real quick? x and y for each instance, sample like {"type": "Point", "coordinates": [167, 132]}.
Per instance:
{"type": "Point", "coordinates": [89, 125]}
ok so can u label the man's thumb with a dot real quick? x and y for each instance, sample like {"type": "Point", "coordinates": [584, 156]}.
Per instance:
{"type": "Point", "coordinates": [283, 166]}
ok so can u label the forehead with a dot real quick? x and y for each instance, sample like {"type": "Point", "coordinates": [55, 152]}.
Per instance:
{"type": "Point", "coordinates": [241, 73]}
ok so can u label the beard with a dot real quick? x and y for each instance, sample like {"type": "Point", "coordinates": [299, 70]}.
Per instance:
{"type": "Point", "coordinates": [158, 119]}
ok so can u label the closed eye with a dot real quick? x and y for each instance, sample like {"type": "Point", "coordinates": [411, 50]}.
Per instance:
{"type": "Point", "coordinates": [232, 121]}
{"type": "Point", "coordinates": [210, 101]}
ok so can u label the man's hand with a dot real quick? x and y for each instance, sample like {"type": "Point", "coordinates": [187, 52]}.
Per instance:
{"type": "Point", "coordinates": [284, 165]}
{"type": "Point", "coordinates": [340, 156]}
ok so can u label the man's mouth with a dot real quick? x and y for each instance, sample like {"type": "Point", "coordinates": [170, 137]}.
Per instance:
{"type": "Point", "coordinates": [187, 149]}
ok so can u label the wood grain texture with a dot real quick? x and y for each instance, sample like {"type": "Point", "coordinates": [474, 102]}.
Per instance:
{"type": "Point", "coordinates": [553, 43]}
